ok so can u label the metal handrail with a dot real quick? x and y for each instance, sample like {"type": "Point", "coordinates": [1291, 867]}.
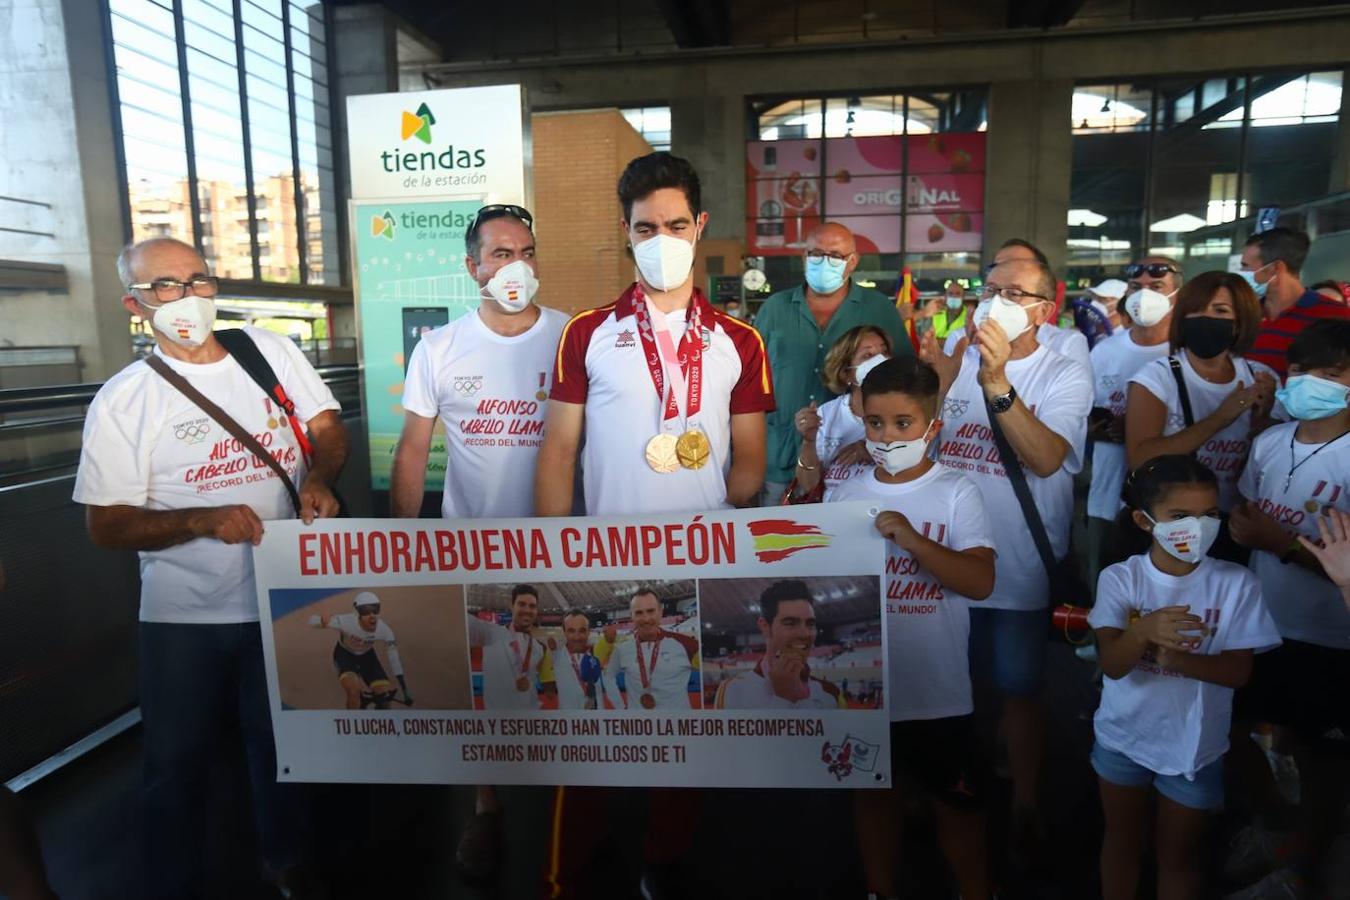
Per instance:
{"type": "Point", "coordinates": [17, 400]}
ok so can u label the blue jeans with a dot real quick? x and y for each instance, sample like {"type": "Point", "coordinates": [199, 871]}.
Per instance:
{"type": "Point", "coordinates": [193, 678]}
{"type": "Point", "coordinates": [1008, 646]}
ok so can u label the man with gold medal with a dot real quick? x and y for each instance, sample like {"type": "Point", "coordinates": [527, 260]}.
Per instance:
{"type": "Point", "coordinates": [650, 447]}
{"type": "Point", "coordinates": [513, 658]}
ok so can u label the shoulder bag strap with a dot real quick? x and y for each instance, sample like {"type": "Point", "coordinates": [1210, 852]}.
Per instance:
{"type": "Point", "coordinates": [1013, 466]}
{"type": "Point", "coordinates": [223, 418]}
{"type": "Point", "coordinates": [244, 349]}
{"type": "Point", "coordinates": [1184, 394]}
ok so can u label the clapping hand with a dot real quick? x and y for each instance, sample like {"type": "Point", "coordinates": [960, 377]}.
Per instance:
{"type": "Point", "coordinates": [1334, 551]}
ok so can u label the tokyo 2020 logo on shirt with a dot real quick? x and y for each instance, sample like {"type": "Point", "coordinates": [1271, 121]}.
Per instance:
{"type": "Point", "coordinates": [467, 385]}
{"type": "Point", "coordinates": [193, 431]}
{"type": "Point", "coordinates": [953, 408]}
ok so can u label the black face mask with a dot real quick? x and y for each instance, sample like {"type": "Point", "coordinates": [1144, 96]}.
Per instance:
{"type": "Point", "coordinates": [1207, 336]}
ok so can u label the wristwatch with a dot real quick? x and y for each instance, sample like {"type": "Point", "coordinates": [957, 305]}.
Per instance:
{"type": "Point", "coordinates": [1003, 402]}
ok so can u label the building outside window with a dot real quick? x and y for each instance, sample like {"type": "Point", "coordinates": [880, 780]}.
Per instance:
{"type": "Point", "coordinates": [226, 133]}
{"type": "Point", "coordinates": [904, 172]}
{"type": "Point", "coordinates": [1180, 167]}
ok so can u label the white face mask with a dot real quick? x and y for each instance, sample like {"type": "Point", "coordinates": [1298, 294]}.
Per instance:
{"type": "Point", "coordinates": [1148, 307]}
{"type": "Point", "coordinates": [664, 261]}
{"type": "Point", "coordinates": [1187, 539]}
{"type": "Point", "coordinates": [867, 365]}
{"type": "Point", "coordinates": [186, 322]}
{"type": "Point", "coordinates": [898, 456]}
{"type": "Point", "coordinates": [513, 286]}
{"type": "Point", "coordinates": [1011, 317]}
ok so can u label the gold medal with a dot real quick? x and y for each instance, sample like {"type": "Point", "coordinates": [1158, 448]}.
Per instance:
{"type": "Point", "coordinates": [692, 449]}
{"type": "Point", "coordinates": [661, 454]}
{"type": "Point", "coordinates": [541, 395]}
{"type": "Point", "coordinates": [1311, 506]}
{"type": "Point", "coordinates": [523, 683]}
{"type": "Point", "coordinates": [647, 701]}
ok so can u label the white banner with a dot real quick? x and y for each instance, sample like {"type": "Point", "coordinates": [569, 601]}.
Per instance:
{"type": "Point", "coordinates": [737, 648]}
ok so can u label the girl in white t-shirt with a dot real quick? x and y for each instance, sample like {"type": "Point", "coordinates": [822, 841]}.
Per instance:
{"type": "Point", "coordinates": [1226, 399]}
{"type": "Point", "coordinates": [1176, 631]}
{"type": "Point", "coordinates": [832, 434]}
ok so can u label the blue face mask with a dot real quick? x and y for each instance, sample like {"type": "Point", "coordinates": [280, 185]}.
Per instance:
{"type": "Point", "coordinates": [825, 275]}
{"type": "Point", "coordinates": [1310, 397]}
{"type": "Point", "coordinates": [1259, 287]}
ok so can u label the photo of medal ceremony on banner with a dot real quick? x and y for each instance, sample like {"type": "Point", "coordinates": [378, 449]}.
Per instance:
{"type": "Point", "coordinates": [371, 649]}
{"type": "Point", "coordinates": [570, 645]}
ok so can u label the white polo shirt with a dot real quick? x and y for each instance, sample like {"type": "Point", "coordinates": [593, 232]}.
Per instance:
{"type": "Point", "coordinates": [600, 363]}
{"type": "Point", "coordinates": [489, 391]}
{"type": "Point", "coordinates": [751, 690]}
{"type": "Point", "coordinates": [668, 680]}
{"type": "Point", "coordinates": [1058, 392]}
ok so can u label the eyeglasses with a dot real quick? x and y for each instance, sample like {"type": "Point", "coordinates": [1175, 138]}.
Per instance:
{"type": "Point", "coordinates": [1154, 270]}
{"type": "Point", "coordinates": [167, 290]}
{"type": "Point", "coordinates": [497, 211]}
{"type": "Point", "coordinates": [368, 610]}
{"type": "Point", "coordinates": [1016, 295]}
{"type": "Point", "coordinates": [822, 254]}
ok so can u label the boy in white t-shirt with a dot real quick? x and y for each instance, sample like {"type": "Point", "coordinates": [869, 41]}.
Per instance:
{"type": "Point", "coordinates": [1176, 631]}
{"type": "Point", "coordinates": [1298, 474]}
{"type": "Point", "coordinates": [940, 558]}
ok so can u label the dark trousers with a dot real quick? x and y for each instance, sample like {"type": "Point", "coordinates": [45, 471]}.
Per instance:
{"type": "Point", "coordinates": [193, 680]}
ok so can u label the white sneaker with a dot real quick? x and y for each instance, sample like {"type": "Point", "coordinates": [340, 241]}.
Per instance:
{"type": "Point", "coordinates": [1281, 884]}
{"type": "Point", "coordinates": [1252, 853]}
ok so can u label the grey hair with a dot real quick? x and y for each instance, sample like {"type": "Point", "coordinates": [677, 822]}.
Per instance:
{"type": "Point", "coordinates": [128, 255]}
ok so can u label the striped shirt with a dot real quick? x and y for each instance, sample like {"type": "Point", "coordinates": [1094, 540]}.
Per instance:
{"type": "Point", "coordinates": [1275, 336]}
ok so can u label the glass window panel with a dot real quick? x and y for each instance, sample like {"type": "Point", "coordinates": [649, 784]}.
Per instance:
{"type": "Point", "coordinates": [864, 116]}
{"type": "Point", "coordinates": [204, 15]}
{"type": "Point", "coordinates": [790, 120]}
{"type": "Point", "coordinates": [1111, 107]}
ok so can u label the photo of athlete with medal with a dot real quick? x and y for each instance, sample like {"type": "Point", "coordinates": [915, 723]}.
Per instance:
{"type": "Point", "coordinates": [656, 666]}
{"type": "Point", "coordinates": [513, 665]}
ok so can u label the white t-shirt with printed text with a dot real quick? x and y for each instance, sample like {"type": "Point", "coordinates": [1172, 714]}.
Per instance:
{"type": "Point", "coordinates": [1305, 606]}
{"type": "Point", "coordinates": [147, 445]}
{"type": "Point", "coordinates": [490, 393]}
{"type": "Point", "coordinates": [1164, 721]}
{"type": "Point", "coordinates": [1058, 392]}
{"type": "Point", "coordinates": [839, 427]}
{"type": "Point", "coordinates": [1068, 342]}
{"type": "Point", "coordinates": [927, 625]}
{"type": "Point", "coordinates": [1115, 361]}
{"type": "Point", "coordinates": [1226, 452]}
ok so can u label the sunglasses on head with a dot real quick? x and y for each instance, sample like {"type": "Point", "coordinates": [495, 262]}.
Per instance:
{"type": "Point", "coordinates": [497, 210]}
{"type": "Point", "coordinates": [1154, 270]}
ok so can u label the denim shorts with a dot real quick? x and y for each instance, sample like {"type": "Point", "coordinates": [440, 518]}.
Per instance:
{"type": "Point", "coordinates": [1008, 646]}
{"type": "Point", "coordinates": [1204, 792]}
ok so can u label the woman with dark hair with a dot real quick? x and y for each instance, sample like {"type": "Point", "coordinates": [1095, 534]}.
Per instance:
{"type": "Point", "coordinates": [1205, 399]}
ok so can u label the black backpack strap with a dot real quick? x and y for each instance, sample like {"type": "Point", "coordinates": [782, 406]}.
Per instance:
{"type": "Point", "coordinates": [1184, 394]}
{"type": "Point", "coordinates": [1013, 466]}
{"type": "Point", "coordinates": [238, 344]}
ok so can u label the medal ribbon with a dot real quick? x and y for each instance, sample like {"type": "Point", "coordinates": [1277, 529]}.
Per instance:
{"type": "Point", "coordinates": [642, 667]}
{"type": "Point", "coordinates": [515, 651]}
{"type": "Point", "coordinates": [669, 365]}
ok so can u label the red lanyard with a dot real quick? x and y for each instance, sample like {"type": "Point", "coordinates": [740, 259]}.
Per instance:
{"type": "Point", "coordinates": [642, 667]}
{"type": "Point", "coordinates": [515, 651]}
{"type": "Point", "coordinates": [663, 358]}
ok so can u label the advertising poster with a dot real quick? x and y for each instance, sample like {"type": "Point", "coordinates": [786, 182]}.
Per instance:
{"type": "Point", "coordinates": [410, 277]}
{"type": "Point", "coordinates": [925, 189]}
{"type": "Point", "coordinates": [422, 163]}
{"type": "Point", "coordinates": [735, 648]}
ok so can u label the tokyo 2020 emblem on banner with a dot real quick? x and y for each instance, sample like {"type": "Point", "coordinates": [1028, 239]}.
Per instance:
{"type": "Point", "coordinates": [736, 648]}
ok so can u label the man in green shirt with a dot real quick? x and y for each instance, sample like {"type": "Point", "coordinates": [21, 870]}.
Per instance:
{"type": "Point", "coordinates": [800, 325]}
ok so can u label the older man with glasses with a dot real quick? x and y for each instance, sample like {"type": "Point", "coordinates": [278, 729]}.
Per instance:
{"type": "Point", "coordinates": [160, 474]}
{"type": "Point", "coordinates": [1014, 421]}
{"type": "Point", "coordinates": [800, 325]}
